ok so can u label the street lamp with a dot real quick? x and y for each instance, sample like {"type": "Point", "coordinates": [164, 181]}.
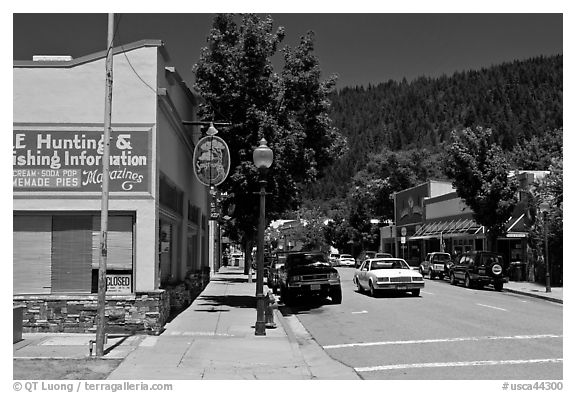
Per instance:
{"type": "Point", "coordinates": [545, 209]}
{"type": "Point", "coordinates": [262, 158]}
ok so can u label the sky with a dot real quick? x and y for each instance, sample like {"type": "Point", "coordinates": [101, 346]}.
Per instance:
{"type": "Point", "coordinates": [361, 48]}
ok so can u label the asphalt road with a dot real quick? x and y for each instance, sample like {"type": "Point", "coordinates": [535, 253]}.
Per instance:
{"type": "Point", "coordinates": [447, 333]}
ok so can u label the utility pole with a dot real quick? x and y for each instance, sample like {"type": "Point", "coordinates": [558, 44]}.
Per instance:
{"type": "Point", "coordinates": [100, 320]}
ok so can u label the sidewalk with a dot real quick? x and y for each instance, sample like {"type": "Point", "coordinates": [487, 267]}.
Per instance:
{"type": "Point", "coordinates": [214, 339]}
{"type": "Point", "coordinates": [535, 290]}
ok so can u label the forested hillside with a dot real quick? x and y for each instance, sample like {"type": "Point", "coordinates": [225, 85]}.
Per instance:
{"type": "Point", "coordinates": [521, 101]}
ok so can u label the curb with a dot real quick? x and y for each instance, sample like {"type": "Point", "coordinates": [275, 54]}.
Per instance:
{"type": "Point", "coordinates": [535, 295]}
{"type": "Point", "coordinates": [319, 363]}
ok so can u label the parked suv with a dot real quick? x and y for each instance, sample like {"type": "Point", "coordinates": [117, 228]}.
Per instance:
{"type": "Point", "coordinates": [306, 274]}
{"type": "Point", "coordinates": [436, 264]}
{"type": "Point", "coordinates": [478, 268]}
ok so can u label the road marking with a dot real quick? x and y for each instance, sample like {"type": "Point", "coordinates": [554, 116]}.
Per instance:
{"type": "Point", "coordinates": [495, 308]}
{"type": "Point", "coordinates": [209, 334]}
{"type": "Point", "coordinates": [360, 312]}
{"type": "Point", "coordinates": [443, 340]}
{"type": "Point", "coordinates": [455, 364]}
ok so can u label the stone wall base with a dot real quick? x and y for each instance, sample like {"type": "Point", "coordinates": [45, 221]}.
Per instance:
{"type": "Point", "coordinates": [139, 313]}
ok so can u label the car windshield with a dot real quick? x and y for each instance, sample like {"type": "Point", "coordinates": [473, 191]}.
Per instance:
{"type": "Point", "coordinates": [306, 259]}
{"type": "Point", "coordinates": [389, 264]}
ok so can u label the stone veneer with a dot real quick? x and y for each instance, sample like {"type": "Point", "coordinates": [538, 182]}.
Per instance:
{"type": "Point", "coordinates": [140, 313]}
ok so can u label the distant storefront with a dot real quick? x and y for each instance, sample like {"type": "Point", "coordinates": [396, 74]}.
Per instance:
{"type": "Point", "coordinates": [449, 226]}
{"type": "Point", "coordinates": [158, 211]}
{"type": "Point", "coordinates": [410, 216]}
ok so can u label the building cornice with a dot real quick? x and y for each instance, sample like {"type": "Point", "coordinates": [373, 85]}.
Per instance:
{"type": "Point", "coordinates": [92, 57]}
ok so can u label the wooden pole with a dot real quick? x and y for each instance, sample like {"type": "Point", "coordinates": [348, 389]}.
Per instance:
{"type": "Point", "coordinates": [101, 317]}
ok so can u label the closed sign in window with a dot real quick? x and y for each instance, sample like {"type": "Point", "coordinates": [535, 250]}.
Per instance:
{"type": "Point", "coordinates": [119, 283]}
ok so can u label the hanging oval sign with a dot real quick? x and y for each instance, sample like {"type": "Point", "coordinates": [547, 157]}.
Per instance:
{"type": "Point", "coordinates": [211, 160]}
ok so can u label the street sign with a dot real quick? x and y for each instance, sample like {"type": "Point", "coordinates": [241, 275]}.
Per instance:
{"type": "Point", "coordinates": [211, 160]}
{"type": "Point", "coordinates": [403, 240]}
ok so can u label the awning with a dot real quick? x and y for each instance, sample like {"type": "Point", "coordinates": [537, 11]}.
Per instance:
{"type": "Point", "coordinates": [448, 229]}
{"type": "Point", "coordinates": [516, 227]}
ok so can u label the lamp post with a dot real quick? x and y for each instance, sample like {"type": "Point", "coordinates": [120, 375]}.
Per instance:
{"type": "Point", "coordinates": [545, 209]}
{"type": "Point", "coordinates": [262, 158]}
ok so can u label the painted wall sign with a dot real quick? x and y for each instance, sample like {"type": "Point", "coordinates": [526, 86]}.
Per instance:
{"type": "Point", "coordinates": [72, 160]}
{"type": "Point", "coordinates": [211, 160]}
{"type": "Point", "coordinates": [409, 205]}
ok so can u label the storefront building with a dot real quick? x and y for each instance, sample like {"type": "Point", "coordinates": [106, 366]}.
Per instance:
{"type": "Point", "coordinates": [409, 217]}
{"type": "Point", "coordinates": [449, 225]}
{"type": "Point", "coordinates": [158, 225]}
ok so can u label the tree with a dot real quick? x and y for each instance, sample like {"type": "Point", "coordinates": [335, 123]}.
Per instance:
{"type": "Point", "coordinates": [235, 77]}
{"type": "Point", "coordinates": [313, 230]}
{"type": "Point", "coordinates": [538, 152]}
{"type": "Point", "coordinates": [550, 190]}
{"type": "Point", "coordinates": [480, 174]}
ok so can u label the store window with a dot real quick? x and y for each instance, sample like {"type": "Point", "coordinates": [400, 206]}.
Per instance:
{"type": "Point", "coordinates": [60, 253]}
{"type": "Point", "coordinates": [32, 248]}
{"type": "Point", "coordinates": [165, 239]}
{"type": "Point", "coordinates": [71, 254]}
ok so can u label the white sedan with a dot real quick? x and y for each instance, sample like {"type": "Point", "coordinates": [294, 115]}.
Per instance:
{"type": "Point", "coordinates": [346, 260]}
{"type": "Point", "coordinates": [387, 274]}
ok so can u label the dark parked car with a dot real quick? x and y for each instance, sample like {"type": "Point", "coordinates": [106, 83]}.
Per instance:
{"type": "Point", "coordinates": [436, 264]}
{"type": "Point", "coordinates": [479, 268]}
{"type": "Point", "coordinates": [306, 274]}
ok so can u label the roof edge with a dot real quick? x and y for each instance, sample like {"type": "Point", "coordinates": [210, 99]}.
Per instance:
{"type": "Point", "coordinates": [91, 57]}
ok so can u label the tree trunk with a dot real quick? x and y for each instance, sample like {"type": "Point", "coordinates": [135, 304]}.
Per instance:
{"type": "Point", "coordinates": [248, 255]}
{"type": "Point", "coordinates": [492, 240]}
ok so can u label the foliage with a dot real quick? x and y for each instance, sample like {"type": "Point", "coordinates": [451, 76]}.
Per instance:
{"type": "Point", "coordinates": [522, 100]}
{"type": "Point", "coordinates": [549, 190]}
{"type": "Point", "coordinates": [236, 78]}
{"type": "Point", "coordinates": [480, 174]}
{"type": "Point", "coordinates": [538, 152]}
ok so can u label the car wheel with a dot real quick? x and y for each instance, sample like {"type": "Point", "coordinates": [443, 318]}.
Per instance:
{"type": "Point", "coordinates": [358, 286]}
{"type": "Point", "coordinates": [498, 286]}
{"type": "Point", "coordinates": [372, 290]}
{"type": "Point", "coordinates": [467, 282]}
{"type": "Point", "coordinates": [430, 274]}
{"type": "Point", "coordinates": [452, 279]}
{"type": "Point", "coordinates": [416, 292]}
{"type": "Point", "coordinates": [336, 295]}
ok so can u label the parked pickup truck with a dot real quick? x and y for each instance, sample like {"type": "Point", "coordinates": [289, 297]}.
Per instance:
{"type": "Point", "coordinates": [307, 274]}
